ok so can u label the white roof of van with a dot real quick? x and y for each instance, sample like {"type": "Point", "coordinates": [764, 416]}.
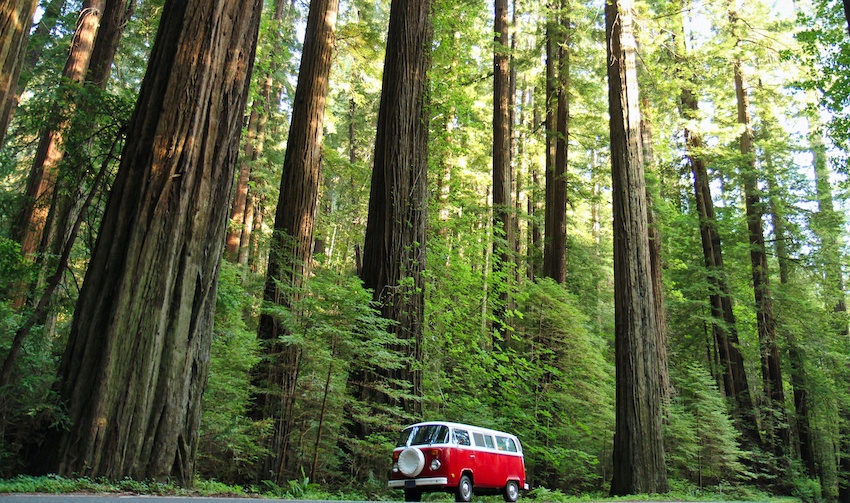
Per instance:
{"type": "Point", "coordinates": [465, 426]}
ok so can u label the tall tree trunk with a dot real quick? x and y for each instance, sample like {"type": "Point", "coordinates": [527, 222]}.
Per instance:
{"type": "Point", "coordinates": [241, 212]}
{"type": "Point", "coordinates": [827, 224]}
{"type": "Point", "coordinates": [292, 243]}
{"type": "Point", "coordinates": [798, 379]}
{"type": "Point", "coordinates": [555, 262]}
{"type": "Point", "coordinates": [15, 23]}
{"type": "Point", "coordinates": [535, 237]}
{"type": "Point", "coordinates": [638, 443]}
{"type": "Point", "coordinates": [551, 107]}
{"type": "Point", "coordinates": [39, 40]}
{"type": "Point", "coordinates": [655, 254]}
{"type": "Point", "coordinates": [239, 207]}
{"type": "Point", "coordinates": [771, 369]}
{"type": "Point", "coordinates": [67, 196]}
{"type": "Point", "coordinates": [30, 225]}
{"type": "Point", "coordinates": [723, 326]}
{"type": "Point", "coordinates": [247, 236]}
{"type": "Point", "coordinates": [503, 242]}
{"type": "Point", "coordinates": [734, 373]}
{"type": "Point", "coordinates": [137, 357]}
{"type": "Point", "coordinates": [394, 250]}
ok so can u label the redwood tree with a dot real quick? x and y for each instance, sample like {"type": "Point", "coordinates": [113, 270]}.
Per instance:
{"type": "Point", "coordinates": [394, 249]}
{"type": "Point", "coordinates": [137, 357]}
{"type": "Point", "coordinates": [43, 175]}
{"type": "Point", "coordinates": [638, 444]}
{"type": "Point", "coordinates": [503, 227]}
{"type": "Point", "coordinates": [15, 22]}
{"type": "Point", "coordinates": [772, 381]}
{"type": "Point", "coordinates": [292, 244]}
{"type": "Point", "coordinates": [558, 51]}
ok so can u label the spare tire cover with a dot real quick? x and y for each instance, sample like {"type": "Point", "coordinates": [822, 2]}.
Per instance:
{"type": "Point", "coordinates": [411, 461]}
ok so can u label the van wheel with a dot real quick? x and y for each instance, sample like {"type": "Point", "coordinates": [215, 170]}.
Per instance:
{"type": "Point", "coordinates": [511, 491]}
{"type": "Point", "coordinates": [412, 495]}
{"type": "Point", "coordinates": [464, 489]}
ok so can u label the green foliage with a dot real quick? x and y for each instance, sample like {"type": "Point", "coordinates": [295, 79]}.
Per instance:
{"type": "Point", "coordinates": [567, 434]}
{"type": "Point", "coordinates": [701, 441]}
{"type": "Point", "coordinates": [229, 443]}
{"type": "Point", "coordinates": [29, 398]}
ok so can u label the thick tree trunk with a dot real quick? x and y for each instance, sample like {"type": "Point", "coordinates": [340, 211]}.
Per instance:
{"type": "Point", "coordinates": [558, 103]}
{"type": "Point", "coordinates": [771, 369]}
{"type": "Point", "coordinates": [638, 443]}
{"type": "Point", "coordinates": [555, 262]}
{"type": "Point", "coordinates": [394, 251]}
{"type": "Point", "coordinates": [15, 23]}
{"type": "Point", "coordinates": [137, 357]}
{"type": "Point", "coordinates": [655, 255]}
{"type": "Point", "coordinates": [503, 241]}
{"type": "Point", "coordinates": [292, 245]}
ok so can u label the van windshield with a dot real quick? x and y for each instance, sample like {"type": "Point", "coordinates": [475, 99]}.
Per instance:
{"type": "Point", "coordinates": [403, 437]}
{"type": "Point", "coordinates": [424, 435]}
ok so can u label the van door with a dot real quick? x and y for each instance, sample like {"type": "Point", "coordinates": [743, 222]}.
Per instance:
{"type": "Point", "coordinates": [489, 461]}
{"type": "Point", "coordinates": [463, 457]}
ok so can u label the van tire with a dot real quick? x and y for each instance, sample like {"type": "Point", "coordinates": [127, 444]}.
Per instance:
{"type": "Point", "coordinates": [511, 493]}
{"type": "Point", "coordinates": [464, 489]}
{"type": "Point", "coordinates": [412, 495]}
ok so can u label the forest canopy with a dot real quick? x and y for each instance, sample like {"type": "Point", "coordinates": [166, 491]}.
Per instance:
{"type": "Point", "coordinates": [340, 217]}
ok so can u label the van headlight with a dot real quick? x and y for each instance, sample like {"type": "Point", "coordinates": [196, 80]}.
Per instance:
{"type": "Point", "coordinates": [435, 465]}
{"type": "Point", "coordinates": [395, 467]}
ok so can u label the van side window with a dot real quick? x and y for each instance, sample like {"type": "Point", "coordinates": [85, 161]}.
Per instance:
{"type": "Point", "coordinates": [506, 444]}
{"type": "Point", "coordinates": [488, 440]}
{"type": "Point", "coordinates": [462, 437]}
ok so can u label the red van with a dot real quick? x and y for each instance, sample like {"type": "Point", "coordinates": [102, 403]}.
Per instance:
{"type": "Point", "coordinates": [458, 458]}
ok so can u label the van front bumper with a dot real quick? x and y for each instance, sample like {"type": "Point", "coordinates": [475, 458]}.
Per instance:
{"type": "Point", "coordinates": [432, 481]}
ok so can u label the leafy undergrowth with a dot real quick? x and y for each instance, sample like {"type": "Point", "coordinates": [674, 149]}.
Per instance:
{"type": "Point", "coordinates": [54, 484]}
{"type": "Point", "coordinates": [306, 490]}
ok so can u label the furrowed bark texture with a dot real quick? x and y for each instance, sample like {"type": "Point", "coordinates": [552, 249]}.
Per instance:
{"type": "Point", "coordinates": [655, 253]}
{"type": "Point", "coordinates": [502, 137]}
{"type": "Point", "coordinates": [555, 261]}
{"type": "Point", "coordinates": [137, 358]}
{"type": "Point", "coordinates": [394, 249]}
{"type": "Point", "coordinates": [292, 246]}
{"type": "Point", "coordinates": [638, 460]}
